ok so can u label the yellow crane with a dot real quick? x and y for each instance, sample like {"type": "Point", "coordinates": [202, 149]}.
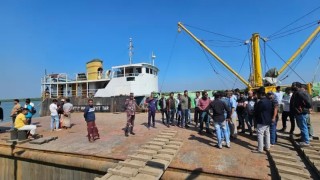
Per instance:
{"type": "Point", "coordinates": [257, 70]}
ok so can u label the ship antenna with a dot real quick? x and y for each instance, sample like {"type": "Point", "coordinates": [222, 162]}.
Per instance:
{"type": "Point", "coordinates": [130, 50]}
{"type": "Point", "coordinates": [153, 57]}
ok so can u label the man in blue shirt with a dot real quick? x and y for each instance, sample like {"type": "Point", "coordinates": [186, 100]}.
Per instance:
{"type": "Point", "coordinates": [152, 108]}
{"type": "Point", "coordinates": [90, 118]}
{"type": "Point", "coordinates": [233, 106]}
{"type": "Point", "coordinates": [29, 107]}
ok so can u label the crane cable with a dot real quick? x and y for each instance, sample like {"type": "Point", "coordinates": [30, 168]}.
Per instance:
{"type": "Point", "coordinates": [210, 62]}
{"type": "Point", "coordinates": [212, 66]}
{"type": "Point", "coordinates": [288, 34]}
{"type": "Point", "coordinates": [303, 53]}
{"type": "Point", "coordinates": [295, 21]}
{"type": "Point", "coordinates": [316, 71]}
{"type": "Point", "coordinates": [245, 57]}
{"type": "Point", "coordinates": [295, 64]}
{"type": "Point", "coordinates": [264, 53]}
{"type": "Point", "coordinates": [170, 58]}
{"type": "Point", "coordinates": [226, 36]}
{"type": "Point", "coordinates": [299, 27]}
{"type": "Point", "coordinates": [285, 62]}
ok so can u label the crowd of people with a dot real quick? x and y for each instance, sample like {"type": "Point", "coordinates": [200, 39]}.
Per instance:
{"type": "Point", "coordinates": [60, 114]}
{"type": "Point", "coordinates": [22, 117]}
{"type": "Point", "coordinates": [256, 112]}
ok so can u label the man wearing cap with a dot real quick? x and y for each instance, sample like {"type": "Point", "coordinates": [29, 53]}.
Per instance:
{"type": "Point", "coordinates": [300, 103]}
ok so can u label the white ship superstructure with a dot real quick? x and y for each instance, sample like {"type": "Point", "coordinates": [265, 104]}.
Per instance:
{"type": "Point", "coordinates": [139, 78]}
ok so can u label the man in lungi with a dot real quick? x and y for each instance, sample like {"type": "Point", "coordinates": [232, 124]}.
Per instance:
{"type": "Point", "coordinates": [130, 105]}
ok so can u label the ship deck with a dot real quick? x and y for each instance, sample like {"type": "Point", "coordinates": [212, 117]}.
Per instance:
{"type": "Point", "coordinates": [197, 154]}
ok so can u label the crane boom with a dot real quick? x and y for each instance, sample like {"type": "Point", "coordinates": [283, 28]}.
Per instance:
{"type": "Point", "coordinates": [215, 55]}
{"type": "Point", "coordinates": [309, 39]}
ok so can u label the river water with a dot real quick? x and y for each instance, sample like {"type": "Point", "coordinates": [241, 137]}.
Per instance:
{"type": "Point", "coordinates": [7, 106]}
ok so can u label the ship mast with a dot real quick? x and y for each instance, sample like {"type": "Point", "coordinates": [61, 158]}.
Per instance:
{"type": "Point", "coordinates": [153, 57]}
{"type": "Point", "coordinates": [130, 50]}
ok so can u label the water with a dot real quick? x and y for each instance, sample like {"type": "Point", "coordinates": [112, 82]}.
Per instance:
{"type": "Point", "coordinates": [7, 107]}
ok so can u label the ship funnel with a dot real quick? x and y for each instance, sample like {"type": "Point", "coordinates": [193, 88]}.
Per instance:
{"type": "Point", "coordinates": [94, 69]}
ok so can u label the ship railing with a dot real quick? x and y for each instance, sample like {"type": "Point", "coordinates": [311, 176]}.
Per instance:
{"type": "Point", "coordinates": [55, 78]}
{"type": "Point", "coordinates": [85, 93]}
{"type": "Point", "coordinates": [125, 75]}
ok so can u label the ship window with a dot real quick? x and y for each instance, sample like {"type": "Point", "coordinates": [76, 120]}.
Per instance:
{"type": "Point", "coordinates": [119, 72]}
{"type": "Point", "coordinates": [138, 70]}
{"type": "Point", "coordinates": [147, 70]}
{"type": "Point", "coordinates": [130, 78]}
{"type": "Point", "coordinates": [151, 71]}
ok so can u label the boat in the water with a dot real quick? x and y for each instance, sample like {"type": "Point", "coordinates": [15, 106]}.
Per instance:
{"type": "Point", "coordinates": [139, 78]}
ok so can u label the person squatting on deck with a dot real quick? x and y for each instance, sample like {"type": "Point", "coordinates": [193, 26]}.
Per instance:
{"type": "Point", "coordinates": [15, 110]}
{"type": "Point", "coordinates": [130, 105]}
{"type": "Point", "coordinates": [67, 110]}
{"type": "Point", "coordinates": [54, 116]}
{"type": "Point", "coordinates": [21, 123]}
{"type": "Point", "coordinates": [152, 108]}
{"type": "Point", "coordinates": [90, 118]}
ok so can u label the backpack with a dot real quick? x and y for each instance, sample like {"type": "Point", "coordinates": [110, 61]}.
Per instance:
{"type": "Point", "coordinates": [33, 110]}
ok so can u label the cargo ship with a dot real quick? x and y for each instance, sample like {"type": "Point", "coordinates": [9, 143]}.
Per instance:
{"type": "Point", "coordinates": [139, 78]}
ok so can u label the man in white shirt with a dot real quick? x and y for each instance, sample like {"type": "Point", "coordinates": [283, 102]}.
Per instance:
{"type": "Point", "coordinates": [196, 108]}
{"type": "Point", "coordinates": [286, 111]}
{"type": "Point", "coordinates": [278, 95]}
{"type": "Point", "coordinates": [54, 115]}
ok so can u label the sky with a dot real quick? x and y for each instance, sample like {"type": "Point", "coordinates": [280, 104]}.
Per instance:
{"type": "Point", "coordinates": [61, 36]}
